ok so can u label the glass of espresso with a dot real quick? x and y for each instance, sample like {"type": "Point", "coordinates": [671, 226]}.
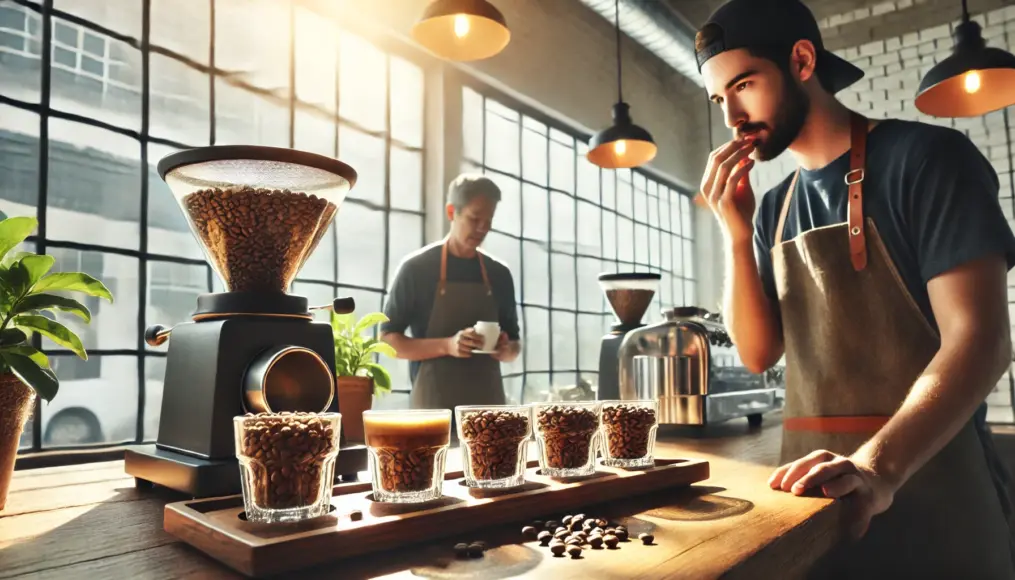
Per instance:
{"type": "Point", "coordinates": [407, 450]}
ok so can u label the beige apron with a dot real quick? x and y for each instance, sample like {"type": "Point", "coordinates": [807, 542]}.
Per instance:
{"type": "Point", "coordinates": [443, 383]}
{"type": "Point", "coordinates": [856, 341]}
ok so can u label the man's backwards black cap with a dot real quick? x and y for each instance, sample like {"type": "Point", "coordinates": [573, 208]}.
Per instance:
{"type": "Point", "coordinates": [769, 24]}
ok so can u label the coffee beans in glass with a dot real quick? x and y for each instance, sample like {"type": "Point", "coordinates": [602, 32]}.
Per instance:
{"type": "Point", "coordinates": [566, 433]}
{"type": "Point", "coordinates": [494, 442]}
{"type": "Point", "coordinates": [407, 451]}
{"type": "Point", "coordinates": [287, 464]}
{"type": "Point", "coordinates": [628, 432]}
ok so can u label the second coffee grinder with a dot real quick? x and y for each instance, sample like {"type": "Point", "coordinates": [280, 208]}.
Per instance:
{"type": "Point", "coordinates": [258, 212]}
{"type": "Point", "coordinates": [629, 294]}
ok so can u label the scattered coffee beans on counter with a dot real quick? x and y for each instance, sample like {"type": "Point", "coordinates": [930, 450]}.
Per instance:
{"type": "Point", "coordinates": [545, 537]}
{"type": "Point", "coordinates": [258, 238]}
{"type": "Point", "coordinates": [356, 515]}
{"type": "Point", "coordinates": [567, 433]}
{"type": "Point", "coordinates": [611, 541]}
{"type": "Point", "coordinates": [462, 550]}
{"type": "Point", "coordinates": [557, 549]}
{"type": "Point", "coordinates": [627, 430]}
{"type": "Point", "coordinates": [646, 538]}
{"type": "Point", "coordinates": [621, 534]}
{"type": "Point", "coordinates": [567, 537]}
{"type": "Point", "coordinates": [494, 439]}
{"type": "Point", "coordinates": [566, 520]}
{"type": "Point", "coordinates": [406, 470]}
{"type": "Point", "coordinates": [596, 542]}
{"type": "Point", "coordinates": [561, 534]}
{"type": "Point", "coordinates": [529, 531]}
{"type": "Point", "coordinates": [574, 551]}
{"type": "Point", "coordinates": [288, 451]}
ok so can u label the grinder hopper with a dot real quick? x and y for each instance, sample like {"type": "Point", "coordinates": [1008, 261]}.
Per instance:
{"type": "Point", "coordinates": [629, 294]}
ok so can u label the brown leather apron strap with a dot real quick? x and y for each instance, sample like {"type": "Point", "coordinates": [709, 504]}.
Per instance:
{"type": "Point", "coordinates": [854, 179]}
{"type": "Point", "coordinates": [442, 284]}
{"type": "Point", "coordinates": [785, 208]}
{"type": "Point", "coordinates": [839, 424]}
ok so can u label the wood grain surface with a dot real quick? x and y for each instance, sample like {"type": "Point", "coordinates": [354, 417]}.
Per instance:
{"type": "Point", "coordinates": [89, 521]}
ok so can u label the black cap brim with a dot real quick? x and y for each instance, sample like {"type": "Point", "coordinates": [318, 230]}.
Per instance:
{"type": "Point", "coordinates": [836, 72]}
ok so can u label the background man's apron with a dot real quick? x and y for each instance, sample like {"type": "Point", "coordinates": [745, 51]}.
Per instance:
{"type": "Point", "coordinates": [856, 341]}
{"type": "Point", "coordinates": [445, 382]}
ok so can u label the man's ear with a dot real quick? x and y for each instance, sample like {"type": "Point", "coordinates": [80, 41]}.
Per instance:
{"type": "Point", "coordinates": [450, 210]}
{"type": "Point", "coordinates": [804, 60]}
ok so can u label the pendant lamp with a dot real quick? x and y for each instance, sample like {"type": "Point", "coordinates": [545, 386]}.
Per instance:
{"type": "Point", "coordinates": [973, 81]}
{"type": "Point", "coordinates": [623, 144]}
{"type": "Point", "coordinates": [462, 30]}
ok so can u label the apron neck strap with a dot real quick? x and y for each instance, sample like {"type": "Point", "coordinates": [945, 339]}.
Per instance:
{"type": "Point", "coordinates": [854, 180]}
{"type": "Point", "coordinates": [444, 270]}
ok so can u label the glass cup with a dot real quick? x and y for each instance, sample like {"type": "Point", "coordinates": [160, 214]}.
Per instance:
{"type": "Point", "coordinates": [566, 433]}
{"type": "Point", "coordinates": [494, 440]}
{"type": "Point", "coordinates": [287, 464]}
{"type": "Point", "coordinates": [627, 433]}
{"type": "Point", "coordinates": [407, 450]}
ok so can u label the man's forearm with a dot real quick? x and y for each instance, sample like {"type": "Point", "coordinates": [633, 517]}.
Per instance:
{"type": "Point", "coordinates": [748, 312]}
{"type": "Point", "coordinates": [942, 400]}
{"type": "Point", "coordinates": [416, 349]}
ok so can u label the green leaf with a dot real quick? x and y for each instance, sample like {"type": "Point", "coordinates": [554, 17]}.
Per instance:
{"type": "Point", "coordinates": [340, 322]}
{"type": "Point", "coordinates": [12, 336]}
{"type": "Point", "coordinates": [43, 381]}
{"type": "Point", "coordinates": [16, 277]}
{"type": "Point", "coordinates": [72, 282]}
{"type": "Point", "coordinates": [369, 321]}
{"type": "Point", "coordinates": [380, 376]}
{"type": "Point", "coordinates": [14, 230]}
{"type": "Point", "coordinates": [37, 302]}
{"type": "Point", "coordinates": [37, 266]}
{"type": "Point", "coordinates": [381, 347]}
{"type": "Point", "coordinates": [52, 330]}
{"type": "Point", "coordinates": [29, 351]}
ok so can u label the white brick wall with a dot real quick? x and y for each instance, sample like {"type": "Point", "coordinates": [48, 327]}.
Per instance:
{"type": "Point", "coordinates": [894, 67]}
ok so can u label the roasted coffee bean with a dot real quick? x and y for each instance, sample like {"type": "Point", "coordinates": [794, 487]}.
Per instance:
{"type": "Point", "coordinates": [590, 523]}
{"type": "Point", "coordinates": [611, 541]}
{"type": "Point", "coordinates": [493, 439]}
{"type": "Point", "coordinates": [598, 531]}
{"type": "Point", "coordinates": [557, 549]}
{"type": "Point", "coordinates": [621, 535]}
{"type": "Point", "coordinates": [462, 550]}
{"type": "Point", "coordinates": [544, 537]}
{"type": "Point", "coordinates": [481, 544]}
{"type": "Point", "coordinates": [286, 454]}
{"type": "Point", "coordinates": [538, 524]}
{"type": "Point", "coordinates": [561, 534]}
{"type": "Point", "coordinates": [601, 523]}
{"type": "Point", "coordinates": [572, 541]}
{"type": "Point", "coordinates": [405, 470]}
{"type": "Point", "coordinates": [574, 551]}
{"type": "Point", "coordinates": [552, 525]}
{"type": "Point", "coordinates": [356, 515]}
{"type": "Point", "coordinates": [580, 517]}
{"type": "Point", "coordinates": [258, 239]}
{"type": "Point", "coordinates": [596, 542]}
{"type": "Point", "coordinates": [575, 526]}
{"type": "Point", "coordinates": [529, 532]}
{"type": "Point", "coordinates": [566, 520]}
{"type": "Point", "coordinates": [646, 538]}
{"type": "Point", "coordinates": [610, 531]}
{"type": "Point", "coordinates": [561, 529]}
{"type": "Point", "coordinates": [581, 535]}
{"type": "Point", "coordinates": [567, 434]}
{"type": "Point", "coordinates": [627, 430]}
{"type": "Point", "coordinates": [476, 549]}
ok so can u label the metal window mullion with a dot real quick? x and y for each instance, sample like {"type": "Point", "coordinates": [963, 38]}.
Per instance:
{"type": "Point", "coordinates": [549, 250]}
{"type": "Point", "coordinates": [143, 225]}
{"type": "Point", "coordinates": [338, 128]}
{"type": "Point", "coordinates": [387, 173]}
{"type": "Point", "coordinates": [292, 74]}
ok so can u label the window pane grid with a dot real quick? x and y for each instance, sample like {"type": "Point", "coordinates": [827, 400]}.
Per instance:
{"type": "Point", "coordinates": [118, 97]}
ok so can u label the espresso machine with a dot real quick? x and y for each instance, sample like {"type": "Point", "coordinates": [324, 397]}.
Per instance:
{"type": "Point", "coordinates": [258, 213]}
{"type": "Point", "coordinates": [691, 367]}
{"type": "Point", "coordinates": [629, 295]}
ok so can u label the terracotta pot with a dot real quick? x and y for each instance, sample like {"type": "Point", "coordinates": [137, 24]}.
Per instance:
{"type": "Point", "coordinates": [355, 395]}
{"type": "Point", "coordinates": [16, 402]}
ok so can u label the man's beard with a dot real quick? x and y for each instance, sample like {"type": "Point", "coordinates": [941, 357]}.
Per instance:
{"type": "Point", "coordinates": [789, 121]}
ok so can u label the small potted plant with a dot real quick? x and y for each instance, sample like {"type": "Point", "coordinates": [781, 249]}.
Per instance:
{"type": "Point", "coordinates": [27, 290]}
{"type": "Point", "coordinates": [358, 376]}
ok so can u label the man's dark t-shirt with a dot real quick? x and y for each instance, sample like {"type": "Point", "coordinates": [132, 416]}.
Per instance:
{"type": "Point", "coordinates": [929, 190]}
{"type": "Point", "coordinates": [414, 288]}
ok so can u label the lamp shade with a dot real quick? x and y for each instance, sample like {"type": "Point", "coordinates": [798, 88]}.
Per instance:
{"type": "Point", "coordinates": [973, 81]}
{"type": "Point", "coordinates": [623, 144]}
{"type": "Point", "coordinates": [462, 30]}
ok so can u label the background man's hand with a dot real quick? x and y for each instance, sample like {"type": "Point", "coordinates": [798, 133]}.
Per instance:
{"type": "Point", "coordinates": [501, 350]}
{"type": "Point", "coordinates": [727, 189]}
{"type": "Point", "coordinates": [847, 478]}
{"type": "Point", "coordinates": [464, 342]}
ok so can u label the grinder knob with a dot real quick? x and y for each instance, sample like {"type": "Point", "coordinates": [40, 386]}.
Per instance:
{"type": "Point", "coordinates": [345, 305]}
{"type": "Point", "coordinates": [156, 334]}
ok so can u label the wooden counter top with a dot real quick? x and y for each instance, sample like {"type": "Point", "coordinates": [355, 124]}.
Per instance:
{"type": "Point", "coordinates": [88, 521]}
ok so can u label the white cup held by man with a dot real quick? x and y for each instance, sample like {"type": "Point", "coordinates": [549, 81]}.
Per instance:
{"type": "Point", "coordinates": [490, 331]}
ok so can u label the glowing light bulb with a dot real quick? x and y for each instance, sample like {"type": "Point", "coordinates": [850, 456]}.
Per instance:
{"type": "Point", "coordinates": [620, 147]}
{"type": "Point", "coordinates": [461, 25]}
{"type": "Point", "coordinates": [972, 81]}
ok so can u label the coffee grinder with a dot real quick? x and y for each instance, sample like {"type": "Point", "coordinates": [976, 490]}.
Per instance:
{"type": "Point", "coordinates": [258, 213]}
{"type": "Point", "coordinates": [629, 294]}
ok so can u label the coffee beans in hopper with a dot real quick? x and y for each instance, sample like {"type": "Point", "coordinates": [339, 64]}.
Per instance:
{"type": "Point", "coordinates": [627, 430]}
{"type": "Point", "coordinates": [411, 470]}
{"type": "Point", "coordinates": [287, 453]}
{"type": "Point", "coordinates": [258, 238]}
{"type": "Point", "coordinates": [494, 439]}
{"type": "Point", "coordinates": [567, 433]}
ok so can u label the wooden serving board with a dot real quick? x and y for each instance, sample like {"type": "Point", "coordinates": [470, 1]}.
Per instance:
{"type": "Point", "coordinates": [215, 526]}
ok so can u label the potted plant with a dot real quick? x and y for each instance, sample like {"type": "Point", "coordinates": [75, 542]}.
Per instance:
{"type": "Point", "coordinates": [357, 377]}
{"type": "Point", "coordinates": [27, 290]}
